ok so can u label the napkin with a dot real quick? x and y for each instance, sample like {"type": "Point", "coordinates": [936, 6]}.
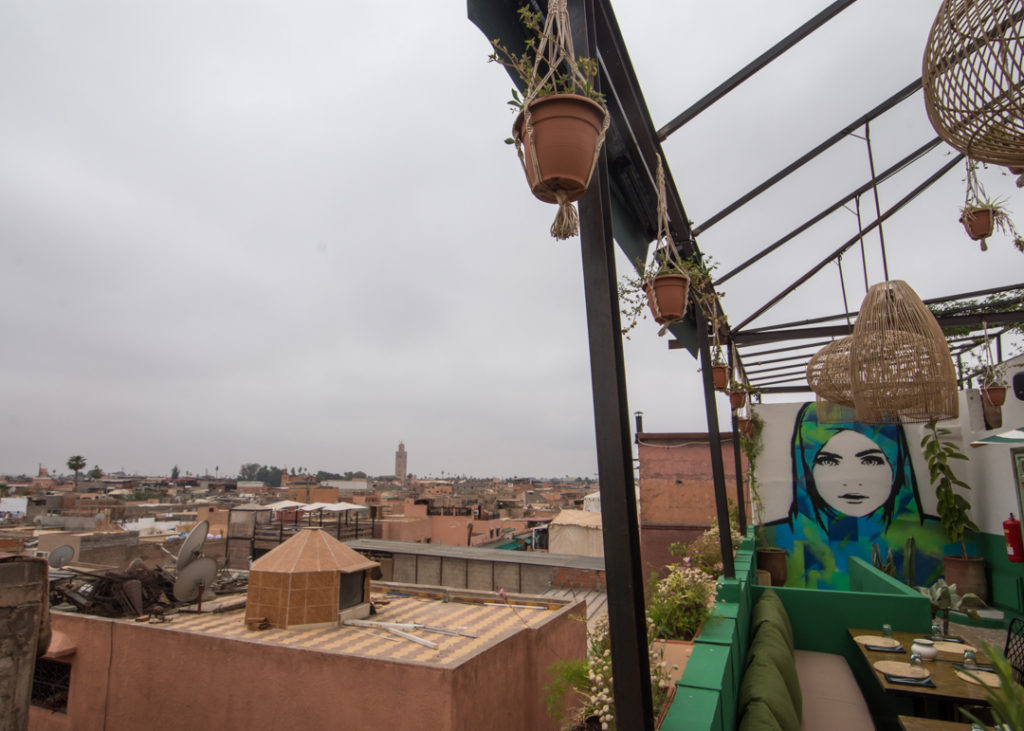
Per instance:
{"type": "Point", "coordinates": [897, 680]}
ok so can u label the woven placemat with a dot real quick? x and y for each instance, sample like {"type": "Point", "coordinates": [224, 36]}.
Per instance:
{"type": "Point", "coordinates": [989, 679]}
{"type": "Point", "coordinates": [877, 640]}
{"type": "Point", "coordinates": [900, 669]}
{"type": "Point", "coordinates": [956, 648]}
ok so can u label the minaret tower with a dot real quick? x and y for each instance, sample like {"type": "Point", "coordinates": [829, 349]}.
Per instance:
{"type": "Point", "coordinates": [401, 463]}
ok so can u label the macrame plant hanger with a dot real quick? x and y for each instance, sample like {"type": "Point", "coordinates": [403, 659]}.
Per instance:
{"type": "Point", "coordinates": [664, 246]}
{"type": "Point", "coordinates": [555, 48]}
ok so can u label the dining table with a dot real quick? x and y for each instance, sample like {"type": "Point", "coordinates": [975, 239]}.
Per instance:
{"type": "Point", "coordinates": [913, 723]}
{"type": "Point", "coordinates": [945, 689]}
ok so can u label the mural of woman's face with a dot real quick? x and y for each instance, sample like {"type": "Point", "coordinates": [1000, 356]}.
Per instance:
{"type": "Point", "coordinates": [852, 474]}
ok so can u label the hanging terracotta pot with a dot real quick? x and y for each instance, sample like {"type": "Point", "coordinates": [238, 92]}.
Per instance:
{"type": "Point", "coordinates": [995, 395]}
{"type": "Point", "coordinates": [737, 399]}
{"type": "Point", "coordinates": [566, 129]}
{"type": "Point", "coordinates": [979, 222]}
{"type": "Point", "coordinates": [720, 376]}
{"type": "Point", "coordinates": [667, 297]}
{"type": "Point", "coordinates": [745, 426]}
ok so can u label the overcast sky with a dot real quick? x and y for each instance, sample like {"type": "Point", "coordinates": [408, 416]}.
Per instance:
{"type": "Point", "coordinates": [290, 233]}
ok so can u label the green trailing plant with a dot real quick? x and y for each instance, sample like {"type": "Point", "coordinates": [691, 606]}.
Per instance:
{"type": "Point", "coordinates": [945, 599]}
{"type": "Point", "coordinates": [1007, 701]}
{"type": "Point", "coordinates": [633, 288]}
{"type": "Point", "coordinates": [952, 507]}
{"type": "Point", "coordinates": [752, 445]}
{"type": "Point", "coordinates": [526, 67]}
{"type": "Point", "coordinates": [566, 676]}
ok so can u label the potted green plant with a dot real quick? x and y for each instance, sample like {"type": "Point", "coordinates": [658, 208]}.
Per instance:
{"type": "Point", "coordinates": [661, 287]}
{"type": "Point", "coordinates": [561, 118]}
{"type": "Point", "coordinates": [993, 384]}
{"type": "Point", "coordinates": [982, 215]}
{"type": "Point", "coordinates": [945, 599]}
{"type": "Point", "coordinates": [967, 572]}
{"type": "Point", "coordinates": [738, 393]}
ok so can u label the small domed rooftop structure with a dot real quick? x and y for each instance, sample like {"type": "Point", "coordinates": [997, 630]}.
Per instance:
{"type": "Point", "coordinates": [312, 578]}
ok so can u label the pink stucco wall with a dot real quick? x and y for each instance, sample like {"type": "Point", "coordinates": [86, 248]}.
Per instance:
{"type": "Point", "coordinates": [137, 676]}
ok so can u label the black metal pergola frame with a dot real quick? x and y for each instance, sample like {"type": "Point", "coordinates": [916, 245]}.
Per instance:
{"type": "Point", "coordinates": [623, 189]}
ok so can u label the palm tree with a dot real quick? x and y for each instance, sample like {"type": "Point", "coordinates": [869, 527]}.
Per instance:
{"type": "Point", "coordinates": [76, 463]}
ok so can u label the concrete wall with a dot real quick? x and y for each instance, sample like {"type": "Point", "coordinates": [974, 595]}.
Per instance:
{"type": "Point", "coordinates": [22, 584]}
{"type": "Point", "coordinates": [578, 540]}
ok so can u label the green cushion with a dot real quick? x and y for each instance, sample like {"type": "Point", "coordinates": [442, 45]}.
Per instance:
{"type": "Point", "coordinates": [762, 682]}
{"type": "Point", "coordinates": [758, 717]}
{"type": "Point", "coordinates": [769, 608]}
{"type": "Point", "coordinates": [770, 643]}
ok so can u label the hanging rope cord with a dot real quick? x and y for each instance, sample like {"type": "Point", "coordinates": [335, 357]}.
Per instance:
{"type": "Point", "coordinates": [554, 49]}
{"type": "Point", "coordinates": [671, 254]}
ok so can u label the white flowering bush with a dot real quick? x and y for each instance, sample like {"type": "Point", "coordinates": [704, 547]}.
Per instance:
{"type": "Point", "coordinates": [592, 680]}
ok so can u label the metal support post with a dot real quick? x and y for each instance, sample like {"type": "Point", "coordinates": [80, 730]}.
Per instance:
{"type": "Point", "coordinates": [623, 568]}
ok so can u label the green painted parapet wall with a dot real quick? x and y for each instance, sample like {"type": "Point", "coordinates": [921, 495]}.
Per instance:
{"type": "Point", "coordinates": [706, 695]}
{"type": "Point", "coordinates": [1005, 579]}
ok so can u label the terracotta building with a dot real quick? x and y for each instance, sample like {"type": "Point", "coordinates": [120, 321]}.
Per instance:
{"type": "Point", "coordinates": [677, 491]}
{"type": "Point", "coordinates": [209, 671]}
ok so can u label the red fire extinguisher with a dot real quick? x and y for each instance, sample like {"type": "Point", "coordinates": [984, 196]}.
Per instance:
{"type": "Point", "coordinates": [1014, 545]}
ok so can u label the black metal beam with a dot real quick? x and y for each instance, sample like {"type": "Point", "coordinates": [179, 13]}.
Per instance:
{"type": "Point", "coordinates": [785, 389]}
{"type": "Point", "coordinates": [745, 337]}
{"type": "Point", "coordinates": [854, 239]}
{"type": "Point", "coordinates": [854, 313]}
{"type": "Point", "coordinates": [715, 443]}
{"type": "Point", "coordinates": [626, 617]}
{"type": "Point", "coordinates": [885, 175]}
{"type": "Point", "coordinates": [754, 66]}
{"type": "Point", "coordinates": [903, 94]}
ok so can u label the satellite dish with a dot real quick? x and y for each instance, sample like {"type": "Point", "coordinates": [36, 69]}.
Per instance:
{"type": "Point", "coordinates": [193, 544]}
{"type": "Point", "coordinates": [61, 555]}
{"type": "Point", "coordinates": [196, 577]}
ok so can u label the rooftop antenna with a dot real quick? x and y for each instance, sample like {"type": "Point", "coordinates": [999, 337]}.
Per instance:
{"type": "Point", "coordinates": [193, 545]}
{"type": "Point", "coordinates": [60, 556]}
{"type": "Point", "coordinates": [194, 581]}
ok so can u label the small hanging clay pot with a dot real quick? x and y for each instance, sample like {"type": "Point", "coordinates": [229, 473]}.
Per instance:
{"type": "Point", "coordinates": [737, 399]}
{"type": "Point", "coordinates": [720, 376]}
{"type": "Point", "coordinates": [995, 395]}
{"type": "Point", "coordinates": [979, 224]}
{"type": "Point", "coordinates": [566, 129]}
{"type": "Point", "coordinates": [667, 297]}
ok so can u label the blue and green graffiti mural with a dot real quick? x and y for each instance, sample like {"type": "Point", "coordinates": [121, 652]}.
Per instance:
{"type": "Point", "coordinates": [854, 487]}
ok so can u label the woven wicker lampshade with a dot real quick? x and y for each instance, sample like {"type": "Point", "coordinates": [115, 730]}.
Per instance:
{"type": "Point", "coordinates": [972, 74]}
{"type": "Point", "coordinates": [900, 367]}
{"type": "Point", "coordinates": [828, 373]}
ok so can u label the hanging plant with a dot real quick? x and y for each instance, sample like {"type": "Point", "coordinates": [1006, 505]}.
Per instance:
{"type": "Point", "coordinates": [664, 284]}
{"type": "Point", "coordinates": [982, 216]}
{"type": "Point", "coordinates": [561, 121]}
{"type": "Point", "coordinates": [738, 391]}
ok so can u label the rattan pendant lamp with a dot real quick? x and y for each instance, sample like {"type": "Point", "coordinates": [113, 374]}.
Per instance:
{"type": "Point", "coordinates": [972, 74]}
{"type": "Point", "coordinates": [828, 376]}
{"type": "Point", "coordinates": [900, 367]}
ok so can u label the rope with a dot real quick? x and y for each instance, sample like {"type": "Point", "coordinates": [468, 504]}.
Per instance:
{"type": "Point", "coordinates": [555, 48]}
{"type": "Point", "coordinates": [671, 251]}
{"type": "Point", "coordinates": [878, 207]}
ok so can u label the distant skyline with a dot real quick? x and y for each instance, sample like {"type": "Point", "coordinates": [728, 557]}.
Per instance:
{"type": "Point", "coordinates": [292, 233]}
